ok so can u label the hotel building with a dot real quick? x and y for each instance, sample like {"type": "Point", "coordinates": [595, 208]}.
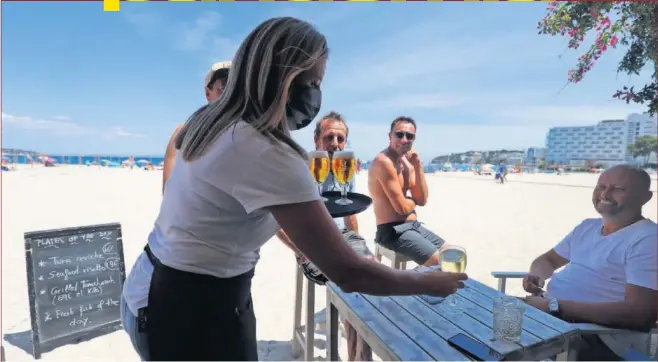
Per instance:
{"type": "Point", "coordinates": [606, 142]}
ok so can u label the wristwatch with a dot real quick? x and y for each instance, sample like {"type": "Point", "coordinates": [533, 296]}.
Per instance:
{"type": "Point", "coordinates": [554, 307]}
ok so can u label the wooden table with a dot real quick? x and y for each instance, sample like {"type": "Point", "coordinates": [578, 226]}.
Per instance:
{"type": "Point", "coordinates": [411, 328]}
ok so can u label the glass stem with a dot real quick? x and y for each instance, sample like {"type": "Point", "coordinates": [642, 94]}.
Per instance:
{"type": "Point", "coordinates": [320, 189]}
{"type": "Point", "coordinates": [343, 192]}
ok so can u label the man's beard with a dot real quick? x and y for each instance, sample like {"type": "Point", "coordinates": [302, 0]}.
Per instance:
{"type": "Point", "coordinates": [608, 207]}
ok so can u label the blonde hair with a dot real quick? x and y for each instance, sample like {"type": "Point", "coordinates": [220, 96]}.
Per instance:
{"type": "Point", "coordinates": [263, 69]}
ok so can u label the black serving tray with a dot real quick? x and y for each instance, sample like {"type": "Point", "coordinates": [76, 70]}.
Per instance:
{"type": "Point", "coordinates": [359, 203]}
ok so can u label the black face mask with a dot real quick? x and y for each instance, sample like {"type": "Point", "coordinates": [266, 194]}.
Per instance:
{"type": "Point", "coordinates": [303, 105]}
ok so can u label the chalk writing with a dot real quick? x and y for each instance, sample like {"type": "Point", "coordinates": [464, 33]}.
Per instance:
{"type": "Point", "coordinates": [76, 280]}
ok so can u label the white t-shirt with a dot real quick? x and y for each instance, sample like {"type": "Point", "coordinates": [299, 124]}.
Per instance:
{"type": "Point", "coordinates": [600, 266]}
{"type": "Point", "coordinates": [212, 219]}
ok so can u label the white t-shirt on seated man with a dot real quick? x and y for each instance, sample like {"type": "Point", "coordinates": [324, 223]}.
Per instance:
{"type": "Point", "coordinates": [600, 265]}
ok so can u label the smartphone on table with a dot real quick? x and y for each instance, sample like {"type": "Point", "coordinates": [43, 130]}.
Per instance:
{"type": "Point", "coordinates": [474, 348]}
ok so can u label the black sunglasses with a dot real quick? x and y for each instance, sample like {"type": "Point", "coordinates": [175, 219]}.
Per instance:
{"type": "Point", "coordinates": [410, 136]}
{"type": "Point", "coordinates": [331, 137]}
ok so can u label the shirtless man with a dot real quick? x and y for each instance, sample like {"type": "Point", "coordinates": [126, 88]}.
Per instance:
{"type": "Point", "coordinates": [396, 182]}
{"type": "Point", "coordinates": [215, 82]}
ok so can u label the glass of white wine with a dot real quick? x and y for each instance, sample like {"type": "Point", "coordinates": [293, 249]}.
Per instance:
{"type": "Point", "coordinates": [452, 258]}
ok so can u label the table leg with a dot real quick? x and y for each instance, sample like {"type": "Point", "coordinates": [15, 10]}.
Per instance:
{"type": "Point", "coordinates": [332, 333]}
{"type": "Point", "coordinates": [571, 351]}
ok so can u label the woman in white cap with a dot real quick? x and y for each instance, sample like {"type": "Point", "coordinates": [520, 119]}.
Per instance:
{"type": "Point", "coordinates": [240, 177]}
{"type": "Point", "coordinates": [214, 84]}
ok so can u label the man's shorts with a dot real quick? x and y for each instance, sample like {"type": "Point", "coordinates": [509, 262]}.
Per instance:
{"type": "Point", "coordinates": [353, 239]}
{"type": "Point", "coordinates": [410, 239]}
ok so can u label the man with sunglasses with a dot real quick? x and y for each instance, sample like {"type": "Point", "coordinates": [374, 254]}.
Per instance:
{"type": "Point", "coordinates": [214, 84]}
{"type": "Point", "coordinates": [331, 135]}
{"type": "Point", "coordinates": [397, 186]}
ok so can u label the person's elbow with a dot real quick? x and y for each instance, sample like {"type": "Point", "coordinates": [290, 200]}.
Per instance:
{"type": "Point", "coordinates": [401, 210]}
{"type": "Point", "coordinates": [421, 201]}
{"type": "Point", "coordinates": [641, 318]}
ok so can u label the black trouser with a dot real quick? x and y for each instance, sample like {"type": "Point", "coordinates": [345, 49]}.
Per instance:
{"type": "Point", "coordinates": [195, 317]}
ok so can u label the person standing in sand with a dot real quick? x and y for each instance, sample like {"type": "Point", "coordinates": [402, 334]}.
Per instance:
{"type": "Point", "coordinates": [243, 179]}
{"type": "Point", "coordinates": [396, 172]}
{"type": "Point", "coordinates": [331, 135]}
{"type": "Point", "coordinates": [215, 82]}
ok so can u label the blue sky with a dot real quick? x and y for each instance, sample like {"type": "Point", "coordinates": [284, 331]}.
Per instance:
{"type": "Point", "coordinates": [474, 75]}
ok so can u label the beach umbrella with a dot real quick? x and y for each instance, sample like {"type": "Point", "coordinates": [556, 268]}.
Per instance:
{"type": "Point", "coordinates": [143, 162]}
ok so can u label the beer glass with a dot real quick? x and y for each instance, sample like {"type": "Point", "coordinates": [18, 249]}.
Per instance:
{"type": "Point", "coordinates": [318, 162]}
{"type": "Point", "coordinates": [343, 166]}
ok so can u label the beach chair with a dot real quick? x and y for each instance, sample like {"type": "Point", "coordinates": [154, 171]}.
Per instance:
{"type": "Point", "coordinates": [398, 261]}
{"type": "Point", "coordinates": [647, 348]}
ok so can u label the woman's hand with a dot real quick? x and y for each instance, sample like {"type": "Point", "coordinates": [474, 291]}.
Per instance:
{"type": "Point", "coordinates": [442, 284]}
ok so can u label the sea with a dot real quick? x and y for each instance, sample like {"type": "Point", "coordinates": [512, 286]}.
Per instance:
{"type": "Point", "coordinates": [85, 159]}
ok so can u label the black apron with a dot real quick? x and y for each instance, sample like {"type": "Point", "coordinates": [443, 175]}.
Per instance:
{"type": "Point", "coordinates": [196, 317]}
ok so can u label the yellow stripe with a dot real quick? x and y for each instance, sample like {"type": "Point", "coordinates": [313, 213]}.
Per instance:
{"type": "Point", "coordinates": [114, 5]}
{"type": "Point", "coordinates": [110, 5]}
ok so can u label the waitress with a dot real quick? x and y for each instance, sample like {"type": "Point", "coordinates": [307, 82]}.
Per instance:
{"type": "Point", "coordinates": [237, 179]}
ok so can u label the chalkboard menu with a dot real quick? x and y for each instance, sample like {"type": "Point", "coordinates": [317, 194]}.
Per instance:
{"type": "Point", "coordinates": [75, 278]}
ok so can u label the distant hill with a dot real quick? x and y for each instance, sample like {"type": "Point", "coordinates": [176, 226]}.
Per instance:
{"type": "Point", "coordinates": [479, 157]}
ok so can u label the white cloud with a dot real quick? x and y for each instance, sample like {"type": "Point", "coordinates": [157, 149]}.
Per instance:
{"type": "Point", "coordinates": [56, 127]}
{"type": "Point", "coordinates": [423, 55]}
{"type": "Point", "coordinates": [197, 34]}
{"type": "Point", "coordinates": [147, 23]}
{"type": "Point", "coordinates": [563, 115]}
{"type": "Point", "coordinates": [62, 128]}
{"type": "Point", "coordinates": [419, 101]}
{"type": "Point", "coordinates": [200, 35]}
{"type": "Point", "coordinates": [61, 118]}
{"type": "Point", "coordinates": [120, 132]}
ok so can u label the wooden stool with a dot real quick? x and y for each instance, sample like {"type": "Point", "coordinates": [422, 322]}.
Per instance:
{"type": "Point", "coordinates": [398, 261]}
{"type": "Point", "coordinates": [303, 337]}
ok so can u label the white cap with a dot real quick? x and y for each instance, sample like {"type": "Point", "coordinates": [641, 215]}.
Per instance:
{"type": "Point", "coordinates": [215, 67]}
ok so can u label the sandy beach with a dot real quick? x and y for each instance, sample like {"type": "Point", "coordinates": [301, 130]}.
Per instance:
{"type": "Point", "coordinates": [503, 227]}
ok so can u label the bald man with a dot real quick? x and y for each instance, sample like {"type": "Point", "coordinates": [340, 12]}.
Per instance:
{"type": "Point", "coordinates": [214, 84]}
{"type": "Point", "coordinates": [610, 274]}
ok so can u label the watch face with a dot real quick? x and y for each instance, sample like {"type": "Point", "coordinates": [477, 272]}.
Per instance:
{"type": "Point", "coordinates": [553, 306]}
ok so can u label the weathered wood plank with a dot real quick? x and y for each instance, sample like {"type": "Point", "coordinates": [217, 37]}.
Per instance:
{"type": "Point", "coordinates": [530, 325]}
{"type": "Point", "coordinates": [385, 339]}
{"type": "Point", "coordinates": [448, 328]}
{"type": "Point", "coordinates": [478, 322]}
{"type": "Point", "coordinates": [420, 333]}
{"type": "Point", "coordinates": [531, 312]}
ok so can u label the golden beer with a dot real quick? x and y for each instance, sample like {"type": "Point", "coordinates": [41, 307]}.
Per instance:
{"type": "Point", "coordinates": [318, 163]}
{"type": "Point", "coordinates": [343, 166]}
